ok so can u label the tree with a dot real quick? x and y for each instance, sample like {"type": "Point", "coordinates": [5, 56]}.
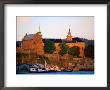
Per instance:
{"type": "Point", "coordinates": [75, 51]}
{"type": "Point", "coordinates": [19, 57]}
{"type": "Point", "coordinates": [49, 46]}
{"type": "Point", "coordinates": [22, 57]}
{"type": "Point", "coordinates": [43, 59]}
{"type": "Point", "coordinates": [89, 51]}
{"type": "Point", "coordinates": [64, 48]}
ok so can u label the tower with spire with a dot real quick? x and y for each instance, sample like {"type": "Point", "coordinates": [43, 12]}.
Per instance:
{"type": "Point", "coordinates": [39, 46]}
{"type": "Point", "coordinates": [39, 32]}
{"type": "Point", "coordinates": [69, 36]}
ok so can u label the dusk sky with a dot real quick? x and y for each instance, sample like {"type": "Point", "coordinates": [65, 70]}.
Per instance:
{"type": "Point", "coordinates": [56, 27]}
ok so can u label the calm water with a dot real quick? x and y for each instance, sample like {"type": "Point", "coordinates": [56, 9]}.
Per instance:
{"type": "Point", "coordinates": [75, 72]}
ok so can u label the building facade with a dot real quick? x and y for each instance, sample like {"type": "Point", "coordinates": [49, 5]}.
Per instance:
{"type": "Point", "coordinates": [35, 43]}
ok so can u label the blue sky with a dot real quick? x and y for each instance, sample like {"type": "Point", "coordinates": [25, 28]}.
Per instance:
{"type": "Point", "coordinates": [56, 27]}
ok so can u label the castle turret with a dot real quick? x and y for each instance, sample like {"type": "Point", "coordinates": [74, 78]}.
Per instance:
{"type": "Point", "coordinates": [69, 36]}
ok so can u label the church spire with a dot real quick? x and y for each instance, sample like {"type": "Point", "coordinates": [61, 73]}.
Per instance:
{"type": "Point", "coordinates": [26, 34]}
{"type": "Point", "coordinates": [69, 36]}
{"type": "Point", "coordinates": [69, 30]}
{"type": "Point", "coordinates": [39, 28]}
{"type": "Point", "coordinates": [39, 32]}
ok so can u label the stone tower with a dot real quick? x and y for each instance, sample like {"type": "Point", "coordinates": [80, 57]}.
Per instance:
{"type": "Point", "coordinates": [39, 45]}
{"type": "Point", "coordinates": [69, 36]}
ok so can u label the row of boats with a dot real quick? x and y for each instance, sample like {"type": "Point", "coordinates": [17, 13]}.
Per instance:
{"type": "Point", "coordinates": [36, 69]}
{"type": "Point", "coordinates": [40, 68]}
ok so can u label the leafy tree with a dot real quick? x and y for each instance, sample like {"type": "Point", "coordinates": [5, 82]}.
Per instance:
{"type": "Point", "coordinates": [21, 57]}
{"type": "Point", "coordinates": [75, 51]}
{"type": "Point", "coordinates": [18, 55]}
{"type": "Point", "coordinates": [64, 48]}
{"type": "Point", "coordinates": [49, 46]}
{"type": "Point", "coordinates": [42, 59]}
{"type": "Point", "coordinates": [89, 51]}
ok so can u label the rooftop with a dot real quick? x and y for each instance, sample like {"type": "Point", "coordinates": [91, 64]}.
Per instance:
{"type": "Point", "coordinates": [28, 37]}
{"type": "Point", "coordinates": [74, 40]}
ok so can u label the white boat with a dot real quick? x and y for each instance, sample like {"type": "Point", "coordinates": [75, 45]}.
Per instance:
{"type": "Point", "coordinates": [32, 70]}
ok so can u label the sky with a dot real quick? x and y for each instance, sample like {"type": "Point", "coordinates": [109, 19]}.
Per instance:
{"type": "Point", "coordinates": [56, 26]}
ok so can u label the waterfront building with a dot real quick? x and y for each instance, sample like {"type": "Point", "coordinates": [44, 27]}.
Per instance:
{"type": "Point", "coordinates": [35, 43]}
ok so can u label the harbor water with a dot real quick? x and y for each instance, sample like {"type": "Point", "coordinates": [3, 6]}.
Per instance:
{"type": "Point", "coordinates": [56, 73]}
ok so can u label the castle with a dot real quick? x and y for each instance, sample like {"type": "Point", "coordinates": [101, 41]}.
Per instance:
{"type": "Point", "coordinates": [35, 43]}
